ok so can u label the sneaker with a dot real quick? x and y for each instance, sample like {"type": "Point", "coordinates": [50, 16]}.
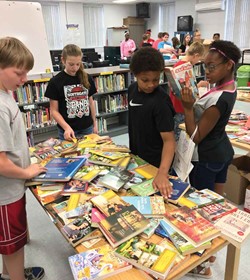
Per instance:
{"type": "Point", "coordinates": [34, 273]}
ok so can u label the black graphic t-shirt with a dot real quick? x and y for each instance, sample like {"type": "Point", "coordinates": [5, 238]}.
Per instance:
{"type": "Point", "coordinates": [73, 99]}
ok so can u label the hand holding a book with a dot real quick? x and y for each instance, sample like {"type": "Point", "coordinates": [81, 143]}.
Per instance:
{"type": "Point", "coordinates": [34, 170]}
{"type": "Point", "coordinates": [187, 98]}
{"type": "Point", "coordinates": [162, 184]}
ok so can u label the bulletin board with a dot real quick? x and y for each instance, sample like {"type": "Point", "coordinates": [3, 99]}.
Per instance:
{"type": "Point", "coordinates": [24, 20]}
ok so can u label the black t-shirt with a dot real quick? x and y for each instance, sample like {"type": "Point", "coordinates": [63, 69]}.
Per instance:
{"type": "Point", "coordinates": [149, 115]}
{"type": "Point", "coordinates": [73, 99]}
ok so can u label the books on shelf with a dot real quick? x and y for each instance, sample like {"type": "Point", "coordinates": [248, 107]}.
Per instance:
{"type": "Point", "coordinates": [147, 205]}
{"type": "Point", "coordinates": [235, 227]}
{"type": "Point", "coordinates": [148, 256]}
{"type": "Point", "coordinates": [97, 263]}
{"type": "Point", "coordinates": [123, 225]}
{"type": "Point", "coordinates": [215, 211]}
{"type": "Point", "coordinates": [192, 226]}
{"type": "Point", "coordinates": [60, 169]}
{"type": "Point", "coordinates": [180, 76]}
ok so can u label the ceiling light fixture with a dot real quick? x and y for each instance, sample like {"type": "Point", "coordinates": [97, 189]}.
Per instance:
{"type": "Point", "coordinates": [123, 1]}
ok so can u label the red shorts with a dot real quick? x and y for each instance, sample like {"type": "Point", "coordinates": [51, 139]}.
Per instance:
{"type": "Point", "coordinates": [13, 227]}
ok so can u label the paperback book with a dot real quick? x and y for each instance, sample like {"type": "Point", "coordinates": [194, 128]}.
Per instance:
{"type": "Point", "coordinates": [109, 154]}
{"type": "Point", "coordinates": [74, 186]}
{"type": "Point", "coordinates": [123, 225]}
{"type": "Point", "coordinates": [60, 169]}
{"type": "Point", "coordinates": [148, 256]}
{"type": "Point", "coordinates": [179, 189]}
{"type": "Point", "coordinates": [103, 161]}
{"type": "Point", "coordinates": [180, 76]}
{"type": "Point", "coordinates": [148, 171]}
{"type": "Point", "coordinates": [84, 209]}
{"type": "Point", "coordinates": [144, 189]}
{"type": "Point", "coordinates": [46, 197]}
{"type": "Point", "coordinates": [192, 226]}
{"type": "Point", "coordinates": [97, 263]}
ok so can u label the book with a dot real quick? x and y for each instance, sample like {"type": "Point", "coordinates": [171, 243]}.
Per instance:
{"type": "Point", "coordinates": [147, 205]}
{"type": "Point", "coordinates": [51, 186]}
{"type": "Point", "coordinates": [148, 256]}
{"type": "Point", "coordinates": [144, 189]}
{"type": "Point", "coordinates": [180, 76]}
{"type": "Point", "coordinates": [179, 189]}
{"type": "Point", "coordinates": [150, 230]}
{"type": "Point", "coordinates": [96, 217]}
{"type": "Point", "coordinates": [215, 211]}
{"type": "Point", "coordinates": [200, 198]}
{"type": "Point", "coordinates": [79, 211]}
{"type": "Point", "coordinates": [46, 197]}
{"type": "Point", "coordinates": [235, 227]}
{"type": "Point", "coordinates": [116, 179]}
{"type": "Point", "coordinates": [74, 186]}
{"type": "Point", "coordinates": [123, 225]}
{"type": "Point", "coordinates": [109, 203]}
{"type": "Point", "coordinates": [60, 169]}
{"type": "Point", "coordinates": [181, 243]}
{"type": "Point", "coordinates": [192, 226]}
{"type": "Point", "coordinates": [148, 171]}
{"type": "Point", "coordinates": [45, 152]}
{"type": "Point", "coordinates": [97, 263]}
{"type": "Point", "coordinates": [103, 161]}
{"type": "Point", "coordinates": [108, 154]}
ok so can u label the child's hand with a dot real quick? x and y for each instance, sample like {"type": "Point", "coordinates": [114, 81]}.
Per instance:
{"type": "Point", "coordinates": [162, 184]}
{"type": "Point", "coordinates": [34, 170]}
{"type": "Point", "coordinates": [69, 134]}
{"type": "Point", "coordinates": [203, 84]}
{"type": "Point", "coordinates": [187, 98]}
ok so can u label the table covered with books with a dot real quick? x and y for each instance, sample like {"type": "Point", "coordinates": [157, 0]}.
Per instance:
{"type": "Point", "coordinates": [102, 200]}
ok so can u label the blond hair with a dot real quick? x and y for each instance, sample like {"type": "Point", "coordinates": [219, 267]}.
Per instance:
{"type": "Point", "coordinates": [74, 50]}
{"type": "Point", "coordinates": [196, 48]}
{"type": "Point", "coordinates": [13, 53]}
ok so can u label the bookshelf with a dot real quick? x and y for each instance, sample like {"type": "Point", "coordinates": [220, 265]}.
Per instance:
{"type": "Point", "coordinates": [111, 99]}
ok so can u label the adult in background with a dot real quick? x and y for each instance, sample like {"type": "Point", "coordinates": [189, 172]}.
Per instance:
{"type": "Point", "coordinates": [185, 44]}
{"type": "Point", "coordinates": [70, 93]}
{"type": "Point", "coordinates": [127, 46]}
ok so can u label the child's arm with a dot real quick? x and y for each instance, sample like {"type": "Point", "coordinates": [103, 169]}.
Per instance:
{"type": "Point", "coordinates": [93, 114]}
{"type": "Point", "coordinates": [161, 181]}
{"type": "Point", "coordinates": [10, 170]}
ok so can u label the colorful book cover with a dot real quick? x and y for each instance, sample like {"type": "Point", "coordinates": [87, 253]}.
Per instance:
{"type": "Point", "coordinates": [45, 152]}
{"type": "Point", "coordinates": [153, 224]}
{"type": "Point", "coordinates": [179, 189]}
{"type": "Point", "coordinates": [74, 186]}
{"type": "Point", "coordinates": [109, 202]}
{"type": "Point", "coordinates": [215, 211]}
{"type": "Point", "coordinates": [97, 263]}
{"type": "Point", "coordinates": [191, 225]}
{"type": "Point", "coordinates": [51, 186]}
{"type": "Point", "coordinates": [61, 169]}
{"type": "Point", "coordinates": [96, 217]}
{"type": "Point", "coordinates": [148, 256]}
{"type": "Point", "coordinates": [108, 154]}
{"type": "Point", "coordinates": [144, 189]}
{"type": "Point", "coordinates": [148, 171]}
{"type": "Point", "coordinates": [46, 197]}
{"type": "Point", "coordinates": [104, 161]}
{"type": "Point", "coordinates": [147, 205]}
{"type": "Point", "coordinates": [84, 209]}
{"type": "Point", "coordinates": [235, 227]}
{"type": "Point", "coordinates": [123, 225]}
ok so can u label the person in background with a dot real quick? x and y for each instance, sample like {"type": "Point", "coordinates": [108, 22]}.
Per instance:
{"type": "Point", "coordinates": [145, 42]}
{"type": "Point", "coordinates": [166, 47]}
{"type": "Point", "coordinates": [194, 54]}
{"type": "Point", "coordinates": [197, 36]}
{"type": "Point", "coordinates": [15, 62]}
{"type": "Point", "coordinates": [185, 44]}
{"type": "Point", "coordinates": [150, 40]}
{"type": "Point", "coordinates": [216, 36]}
{"type": "Point", "coordinates": [151, 113]}
{"type": "Point", "coordinates": [156, 42]}
{"type": "Point", "coordinates": [70, 93]}
{"type": "Point", "coordinates": [127, 46]}
{"type": "Point", "coordinates": [176, 44]}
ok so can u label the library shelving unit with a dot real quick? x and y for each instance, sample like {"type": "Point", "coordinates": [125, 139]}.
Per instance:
{"type": "Point", "coordinates": [35, 109]}
{"type": "Point", "coordinates": [111, 99]}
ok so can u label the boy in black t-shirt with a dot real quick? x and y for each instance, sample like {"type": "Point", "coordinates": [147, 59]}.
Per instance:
{"type": "Point", "coordinates": [151, 113]}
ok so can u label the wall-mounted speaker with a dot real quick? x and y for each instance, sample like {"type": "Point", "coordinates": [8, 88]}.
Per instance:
{"type": "Point", "coordinates": [185, 23]}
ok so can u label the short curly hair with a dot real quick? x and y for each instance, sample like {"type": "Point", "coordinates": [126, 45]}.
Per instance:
{"type": "Point", "coordinates": [228, 48]}
{"type": "Point", "coordinates": [146, 59]}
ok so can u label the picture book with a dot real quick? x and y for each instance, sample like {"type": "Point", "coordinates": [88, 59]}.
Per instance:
{"type": "Point", "coordinates": [61, 169]}
{"type": "Point", "coordinates": [148, 256]}
{"type": "Point", "coordinates": [123, 225]}
{"type": "Point", "coordinates": [45, 152]}
{"type": "Point", "coordinates": [180, 242]}
{"type": "Point", "coordinates": [79, 230]}
{"type": "Point", "coordinates": [200, 198]}
{"type": "Point", "coordinates": [103, 161]}
{"type": "Point", "coordinates": [191, 225]}
{"type": "Point", "coordinates": [180, 76]}
{"type": "Point", "coordinates": [74, 186]}
{"type": "Point", "coordinates": [97, 263]}
{"type": "Point", "coordinates": [147, 205]}
{"type": "Point", "coordinates": [116, 179]}
{"type": "Point", "coordinates": [109, 203]}
{"type": "Point", "coordinates": [148, 171]}
{"type": "Point", "coordinates": [84, 209]}
{"type": "Point", "coordinates": [108, 154]}
{"type": "Point", "coordinates": [215, 211]}
{"type": "Point", "coordinates": [144, 189]}
{"type": "Point", "coordinates": [235, 227]}
{"type": "Point", "coordinates": [179, 189]}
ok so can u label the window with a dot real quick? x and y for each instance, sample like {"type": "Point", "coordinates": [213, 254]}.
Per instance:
{"type": "Point", "coordinates": [167, 18]}
{"type": "Point", "coordinates": [51, 16]}
{"type": "Point", "coordinates": [237, 23]}
{"type": "Point", "coordinates": [93, 16]}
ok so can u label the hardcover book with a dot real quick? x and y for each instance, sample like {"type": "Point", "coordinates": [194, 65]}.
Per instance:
{"type": "Point", "coordinates": [180, 76]}
{"type": "Point", "coordinates": [213, 212]}
{"type": "Point", "coordinates": [148, 256]}
{"type": "Point", "coordinates": [123, 225]}
{"type": "Point", "coordinates": [192, 226]}
{"type": "Point", "coordinates": [97, 263]}
{"type": "Point", "coordinates": [235, 227]}
{"type": "Point", "coordinates": [60, 169]}
{"type": "Point", "coordinates": [147, 205]}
